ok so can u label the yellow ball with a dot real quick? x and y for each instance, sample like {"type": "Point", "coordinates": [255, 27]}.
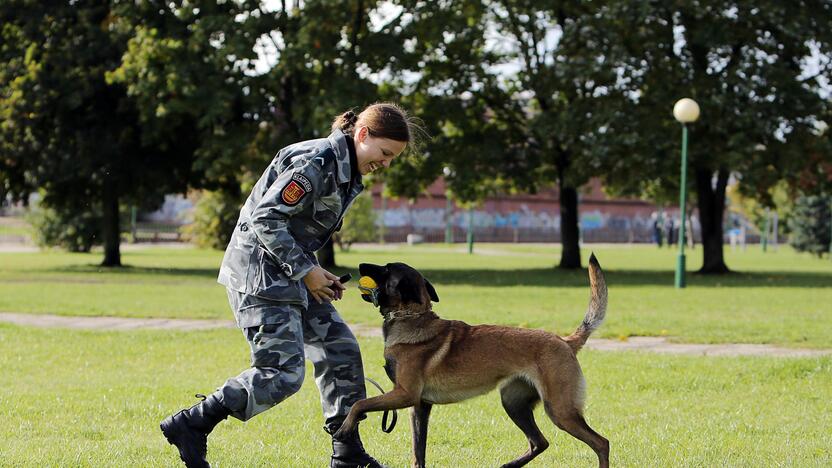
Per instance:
{"type": "Point", "coordinates": [367, 282]}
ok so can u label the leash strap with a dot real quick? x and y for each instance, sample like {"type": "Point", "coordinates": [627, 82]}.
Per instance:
{"type": "Point", "coordinates": [387, 428]}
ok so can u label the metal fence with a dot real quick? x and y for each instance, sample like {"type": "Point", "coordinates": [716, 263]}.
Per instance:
{"type": "Point", "coordinates": [519, 235]}
{"type": "Point", "coordinates": [156, 232]}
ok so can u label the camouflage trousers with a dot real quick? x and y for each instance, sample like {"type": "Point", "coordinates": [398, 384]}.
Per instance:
{"type": "Point", "coordinates": [278, 349]}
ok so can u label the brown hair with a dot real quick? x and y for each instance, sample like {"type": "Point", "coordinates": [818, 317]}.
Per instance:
{"type": "Point", "coordinates": [382, 119]}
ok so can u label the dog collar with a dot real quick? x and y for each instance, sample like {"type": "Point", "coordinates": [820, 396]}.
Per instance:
{"type": "Point", "coordinates": [404, 312]}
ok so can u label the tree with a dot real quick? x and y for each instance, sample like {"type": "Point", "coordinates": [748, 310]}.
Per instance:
{"type": "Point", "coordinates": [748, 67]}
{"type": "Point", "coordinates": [106, 103]}
{"type": "Point", "coordinates": [359, 224]}
{"type": "Point", "coordinates": [66, 129]}
{"type": "Point", "coordinates": [518, 92]}
{"type": "Point", "coordinates": [250, 78]}
{"type": "Point", "coordinates": [811, 224]}
{"type": "Point", "coordinates": [214, 220]}
{"type": "Point", "coordinates": [779, 201]}
{"type": "Point", "coordinates": [74, 231]}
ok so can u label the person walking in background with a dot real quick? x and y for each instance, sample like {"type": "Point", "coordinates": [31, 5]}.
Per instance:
{"type": "Point", "coordinates": [668, 229]}
{"type": "Point", "coordinates": [280, 296]}
{"type": "Point", "coordinates": [657, 228]}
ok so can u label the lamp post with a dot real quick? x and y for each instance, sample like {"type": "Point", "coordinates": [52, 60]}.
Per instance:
{"type": "Point", "coordinates": [470, 230]}
{"type": "Point", "coordinates": [449, 229]}
{"type": "Point", "coordinates": [685, 111]}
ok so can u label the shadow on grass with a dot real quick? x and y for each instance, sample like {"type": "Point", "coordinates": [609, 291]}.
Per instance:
{"type": "Point", "coordinates": [533, 276]}
{"type": "Point", "coordinates": [578, 278]}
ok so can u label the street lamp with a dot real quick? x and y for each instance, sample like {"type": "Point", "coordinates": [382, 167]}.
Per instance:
{"type": "Point", "coordinates": [449, 230]}
{"type": "Point", "coordinates": [685, 111]}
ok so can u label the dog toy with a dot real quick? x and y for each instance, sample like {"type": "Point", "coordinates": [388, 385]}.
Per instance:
{"type": "Point", "coordinates": [367, 283]}
{"type": "Point", "coordinates": [369, 289]}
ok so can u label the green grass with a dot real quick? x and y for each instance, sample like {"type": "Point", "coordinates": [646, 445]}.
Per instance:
{"type": "Point", "coordinates": [780, 297]}
{"type": "Point", "coordinates": [17, 231]}
{"type": "Point", "coordinates": [82, 398]}
{"type": "Point", "coordinates": [14, 227]}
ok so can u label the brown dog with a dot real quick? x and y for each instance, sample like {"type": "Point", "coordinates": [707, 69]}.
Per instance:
{"type": "Point", "coordinates": [436, 361]}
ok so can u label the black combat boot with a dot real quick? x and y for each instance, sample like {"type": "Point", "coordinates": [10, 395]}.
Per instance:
{"type": "Point", "coordinates": [349, 452]}
{"type": "Point", "coordinates": [188, 429]}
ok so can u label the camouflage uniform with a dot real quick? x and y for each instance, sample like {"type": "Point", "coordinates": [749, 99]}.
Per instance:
{"type": "Point", "coordinates": [293, 209]}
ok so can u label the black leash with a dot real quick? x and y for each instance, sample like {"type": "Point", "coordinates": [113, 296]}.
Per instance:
{"type": "Point", "coordinates": [384, 426]}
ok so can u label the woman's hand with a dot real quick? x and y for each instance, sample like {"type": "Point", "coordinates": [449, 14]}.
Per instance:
{"type": "Point", "coordinates": [323, 285]}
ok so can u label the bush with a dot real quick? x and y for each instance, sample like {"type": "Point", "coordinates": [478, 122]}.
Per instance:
{"type": "Point", "coordinates": [359, 223]}
{"type": "Point", "coordinates": [810, 224]}
{"type": "Point", "coordinates": [215, 216]}
{"type": "Point", "coordinates": [75, 232]}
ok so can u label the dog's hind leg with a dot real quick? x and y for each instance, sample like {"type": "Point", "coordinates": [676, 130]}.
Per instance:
{"type": "Point", "coordinates": [519, 398]}
{"type": "Point", "coordinates": [571, 420]}
{"type": "Point", "coordinates": [419, 416]}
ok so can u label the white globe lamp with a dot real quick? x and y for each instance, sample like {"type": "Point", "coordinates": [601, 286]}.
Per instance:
{"type": "Point", "coordinates": [686, 110]}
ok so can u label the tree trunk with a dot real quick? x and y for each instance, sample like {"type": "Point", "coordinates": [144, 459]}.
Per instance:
{"type": "Point", "coordinates": [111, 229]}
{"type": "Point", "coordinates": [570, 256]}
{"type": "Point", "coordinates": [711, 202]}
{"type": "Point", "coordinates": [326, 255]}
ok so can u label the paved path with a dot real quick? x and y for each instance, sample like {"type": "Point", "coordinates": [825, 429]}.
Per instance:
{"type": "Point", "coordinates": [662, 345]}
{"type": "Point", "coordinates": [111, 323]}
{"type": "Point", "coordinates": [640, 343]}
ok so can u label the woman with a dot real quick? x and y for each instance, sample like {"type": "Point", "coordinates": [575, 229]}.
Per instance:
{"type": "Point", "coordinates": [281, 297]}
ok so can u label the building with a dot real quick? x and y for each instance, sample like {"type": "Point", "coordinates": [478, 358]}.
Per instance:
{"type": "Point", "coordinates": [518, 218]}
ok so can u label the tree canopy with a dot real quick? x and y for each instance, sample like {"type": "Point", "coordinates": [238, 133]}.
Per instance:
{"type": "Point", "coordinates": [66, 129]}
{"type": "Point", "coordinates": [759, 72]}
{"type": "Point", "coordinates": [110, 103]}
{"type": "Point", "coordinates": [517, 94]}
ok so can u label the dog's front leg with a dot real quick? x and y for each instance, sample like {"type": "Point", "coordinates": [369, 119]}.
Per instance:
{"type": "Point", "coordinates": [394, 399]}
{"type": "Point", "coordinates": [419, 416]}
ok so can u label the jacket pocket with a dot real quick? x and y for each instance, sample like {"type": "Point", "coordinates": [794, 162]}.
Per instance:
{"type": "Point", "coordinates": [327, 210]}
{"type": "Point", "coordinates": [267, 279]}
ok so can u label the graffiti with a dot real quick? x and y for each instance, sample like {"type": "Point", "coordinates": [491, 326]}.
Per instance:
{"type": "Point", "coordinates": [590, 221]}
{"type": "Point", "coordinates": [524, 218]}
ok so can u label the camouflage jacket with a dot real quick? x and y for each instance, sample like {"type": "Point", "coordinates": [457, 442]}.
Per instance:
{"type": "Point", "coordinates": [295, 207]}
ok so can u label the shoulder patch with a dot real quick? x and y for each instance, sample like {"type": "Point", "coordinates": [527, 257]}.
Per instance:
{"type": "Point", "coordinates": [303, 181]}
{"type": "Point", "coordinates": [296, 189]}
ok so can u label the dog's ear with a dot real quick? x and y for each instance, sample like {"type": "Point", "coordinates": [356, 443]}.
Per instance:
{"type": "Point", "coordinates": [431, 291]}
{"type": "Point", "coordinates": [373, 271]}
{"type": "Point", "coordinates": [407, 289]}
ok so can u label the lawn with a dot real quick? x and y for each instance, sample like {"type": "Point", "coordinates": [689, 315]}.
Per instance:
{"type": "Point", "coordinates": [781, 297]}
{"type": "Point", "coordinates": [82, 398]}
{"type": "Point", "coordinates": [14, 227]}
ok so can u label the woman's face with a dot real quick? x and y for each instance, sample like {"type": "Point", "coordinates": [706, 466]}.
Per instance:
{"type": "Point", "coordinates": [374, 153]}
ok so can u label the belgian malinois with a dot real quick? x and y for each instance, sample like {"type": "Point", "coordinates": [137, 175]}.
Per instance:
{"type": "Point", "coordinates": [435, 361]}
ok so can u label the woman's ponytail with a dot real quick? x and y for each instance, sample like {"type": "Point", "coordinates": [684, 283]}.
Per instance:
{"type": "Point", "coordinates": [345, 122]}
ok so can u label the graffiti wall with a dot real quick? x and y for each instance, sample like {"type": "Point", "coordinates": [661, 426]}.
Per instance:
{"type": "Point", "coordinates": [521, 225]}
{"type": "Point", "coordinates": [525, 217]}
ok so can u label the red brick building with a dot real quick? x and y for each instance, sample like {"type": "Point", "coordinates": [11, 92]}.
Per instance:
{"type": "Point", "coordinates": [518, 218]}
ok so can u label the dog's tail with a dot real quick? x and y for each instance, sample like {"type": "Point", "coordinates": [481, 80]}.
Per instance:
{"type": "Point", "coordinates": [597, 309]}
